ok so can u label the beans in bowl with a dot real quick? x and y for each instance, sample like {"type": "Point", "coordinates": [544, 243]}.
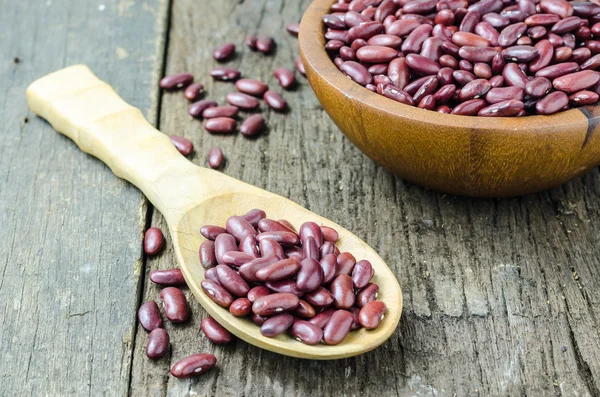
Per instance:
{"type": "Point", "coordinates": [490, 58]}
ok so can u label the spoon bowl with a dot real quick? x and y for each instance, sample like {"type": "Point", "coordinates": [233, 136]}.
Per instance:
{"type": "Point", "coordinates": [87, 110]}
{"type": "Point", "coordinates": [464, 155]}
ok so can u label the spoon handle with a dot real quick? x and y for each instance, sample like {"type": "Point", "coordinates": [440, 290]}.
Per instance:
{"type": "Point", "coordinates": [87, 110]}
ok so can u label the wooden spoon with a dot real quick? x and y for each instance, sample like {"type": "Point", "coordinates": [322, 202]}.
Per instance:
{"type": "Point", "coordinates": [90, 112]}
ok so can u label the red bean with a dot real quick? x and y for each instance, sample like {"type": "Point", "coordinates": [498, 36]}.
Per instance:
{"type": "Point", "coordinates": [219, 111]}
{"type": "Point", "coordinates": [220, 125]}
{"type": "Point", "coordinates": [175, 304]}
{"type": "Point", "coordinates": [225, 74]}
{"type": "Point", "coordinates": [248, 270]}
{"type": "Point", "coordinates": [538, 87]}
{"type": "Point", "coordinates": [501, 94]}
{"type": "Point", "coordinates": [465, 65]}
{"type": "Point", "coordinates": [362, 273]}
{"type": "Point", "coordinates": [462, 77]}
{"type": "Point", "coordinates": [321, 319]}
{"type": "Point", "coordinates": [254, 216]}
{"type": "Point", "coordinates": [367, 294]}
{"type": "Point", "coordinates": [217, 293]}
{"type": "Point", "coordinates": [282, 237]}
{"type": "Point", "coordinates": [232, 281]}
{"type": "Point", "coordinates": [482, 70]}
{"type": "Point", "coordinates": [553, 71]}
{"type": "Point", "coordinates": [307, 333]}
{"type": "Point", "coordinates": [257, 292]}
{"type": "Point", "coordinates": [241, 307]}
{"type": "Point", "coordinates": [211, 274]}
{"type": "Point", "coordinates": [511, 33]}
{"type": "Point", "coordinates": [224, 52]}
{"type": "Point", "coordinates": [304, 309]}
{"type": "Point", "coordinates": [398, 72]}
{"type": "Point", "coordinates": [552, 103]}
{"type": "Point", "coordinates": [251, 86]}
{"type": "Point", "coordinates": [183, 145]}
{"type": "Point", "coordinates": [310, 275]}
{"type": "Point", "coordinates": [580, 55]}
{"type": "Point", "coordinates": [342, 290]}
{"type": "Point", "coordinates": [469, 108]}
{"type": "Point", "coordinates": [279, 270]}
{"type": "Point", "coordinates": [561, 8]}
{"type": "Point", "coordinates": [508, 108]}
{"type": "Point", "coordinates": [582, 98]}
{"type": "Point", "coordinates": [329, 234]}
{"type": "Point", "coordinates": [300, 66]}
{"type": "Point", "coordinates": [310, 249]}
{"type": "Point", "coordinates": [215, 332]}
{"type": "Point", "coordinates": [576, 81]}
{"type": "Point", "coordinates": [334, 22]}
{"type": "Point", "coordinates": [345, 263]}
{"type": "Point", "coordinates": [239, 227]}
{"type": "Point", "coordinates": [176, 81]}
{"type": "Point", "coordinates": [253, 125]}
{"type": "Point", "coordinates": [153, 241]}
{"type": "Point", "coordinates": [158, 344]}
{"type": "Point", "coordinates": [478, 54]}
{"type": "Point", "coordinates": [357, 72]}
{"type": "Point", "coordinates": [258, 320]}
{"type": "Point", "coordinates": [422, 65]}
{"type": "Point", "coordinates": [271, 248]}
{"type": "Point", "coordinates": [149, 316]}
{"type": "Point", "coordinates": [514, 76]}
{"type": "Point", "coordinates": [170, 277]}
{"type": "Point", "coordinates": [364, 31]}
{"type": "Point", "coordinates": [444, 94]}
{"type": "Point", "coordinates": [415, 39]}
{"type": "Point", "coordinates": [276, 325]}
{"type": "Point", "coordinates": [275, 100]}
{"type": "Point", "coordinates": [474, 89]}
{"type": "Point", "coordinates": [197, 108]}
{"type": "Point", "coordinates": [337, 327]}
{"type": "Point", "coordinates": [320, 297]}
{"type": "Point", "coordinates": [385, 40]}
{"type": "Point", "coordinates": [274, 303]}
{"type": "Point", "coordinates": [520, 53]}
{"type": "Point", "coordinates": [242, 101]}
{"type": "Point", "coordinates": [193, 365]}
{"type": "Point", "coordinates": [265, 44]}
{"type": "Point", "coordinates": [536, 32]}
{"type": "Point", "coordinates": [371, 314]}
{"type": "Point", "coordinates": [334, 45]}
{"type": "Point", "coordinates": [250, 41]}
{"type": "Point", "coordinates": [328, 266]}
{"type": "Point", "coordinates": [284, 286]}
{"type": "Point", "coordinates": [193, 91]}
{"type": "Point", "coordinates": [207, 254]}
{"type": "Point", "coordinates": [389, 91]}
{"type": "Point", "coordinates": [285, 77]}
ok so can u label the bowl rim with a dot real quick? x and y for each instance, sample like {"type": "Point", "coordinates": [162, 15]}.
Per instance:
{"type": "Point", "coordinates": [311, 43]}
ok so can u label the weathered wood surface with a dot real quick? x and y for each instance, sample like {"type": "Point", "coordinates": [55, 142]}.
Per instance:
{"type": "Point", "coordinates": [501, 296]}
{"type": "Point", "coordinates": [70, 252]}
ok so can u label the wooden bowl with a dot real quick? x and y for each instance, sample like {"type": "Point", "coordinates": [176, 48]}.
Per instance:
{"type": "Point", "coordinates": [471, 156]}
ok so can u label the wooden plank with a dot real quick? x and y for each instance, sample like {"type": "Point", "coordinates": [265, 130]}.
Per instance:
{"type": "Point", "coordinates": [70, 231]}
{"type": "Point", "coordinates": [492, 306]}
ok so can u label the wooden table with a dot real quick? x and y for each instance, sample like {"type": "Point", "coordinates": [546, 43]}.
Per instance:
{"type": "Point", "coordinates": [501, 296]}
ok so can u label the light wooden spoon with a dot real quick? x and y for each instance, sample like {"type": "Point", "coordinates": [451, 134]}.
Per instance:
{"type": "Point", "coordinates": [91, 113]}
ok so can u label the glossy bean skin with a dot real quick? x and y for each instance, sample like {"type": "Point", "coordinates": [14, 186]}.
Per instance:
{"type": "Point", "coordinates": [279, 270]}
{"type": "Point", "coordinates": [306, 332]}
{"type": "Point", "coordinates": [251, 87]}
{"type": "Point", "coordinates": [342, 290]}
{"type": "Point", "coordinates": [149, 316]}
{"type": "Point", "coordinates": [248, 246]}
{"type": "Point", "coordinates": [329, 267]}
{"type": "Point", "coordinates": [285, 77]}
{"type": "Point", "coordinates": [584, 97]}
{"type": "Point", "coordinates": [215, 158]}
{"type": "Point", "coordinates": [362, 273]}
{"type": "Point", "coordinates": [153, 241]}
{"type": "Point", "coordinates": [474, 89]}
{"type": "Point", "coordinates": [254, 216]}
{"type": "Point", "coordinates": [224, 52]}
{"type": "Point", "coordinates": [217, 293]}
{"type": "Point", "coordinates": [240, 307]}
{"type": "Point", "coordinates": [257, 292]}
{"type": "Point", "coordinates": [271, 248]}
{"type": "Point", "coordinates": [320, 297]}
{"type": "Point", "coordinates": [282, 237]}
{"type": "Point", "coordinates": [193, 365]}
{"type": "Point", "coordinates": [170, 277]}
{"type": "Point", "coordinates": [376, 54]}
{"type": "Point", "coordinates": [329, 234]}
{"type": "Point", "coordinates": [500, 94]}
{"type": "Point", "coordinates": [310, 249]}
{"type": "Point", "coordinates": [211, 274]}
{"type": "Point", "coordinates": [158, 344]}
{"type": "Point", "coordinates": [321, 319]}
{"type": "Point", "coordinates": [470, 107]}
{"type": "Point", "coordinates": [514, 76]}
{"type": "Point", "coordinates": [270, 225]}
{"type": "Point", "coordinates": [275, 303]}
{"type": "Point", "coordinates": [552, 103]}
{"type": "Point", "coordinates": [422, 65]}
{"type": "Point", "coordinates": [175, 304]}
{"type": "Point", "coordinates": [220, 125]}
{"type": "Point", "coordinates": [176, 81]}
{"type": "Point", "coordinates": [538, 87]}
{"type": "Point", "coordinates": [276, 325]}
{"type": "Point", "coordinates": [248, 270]}
{"type": "Point", "coordinates": [183, 145]}
{"type": "Point", "coordinates": [225, 74]}
{"type": "Point", "coordinates": [462, 39]}
{"type": "Point", "coordinates": [368, 294]}
{"type": "Point", "coordinates": [345, 263]}
{"type": "Point", "coordinates": [311, 229]}
{"type": "Point", "coordinates": [508, 108]}
{"type": "Point", "coordinates": [284, 286]}
{"type": "Point", "coordinates": [242, 101]}
{"type": "Point", "coordinates": [232, 281]}
{"type": "Point", "coordinates": [371, 314]}
{"type": "Point", "coordinates": [253, 125]}
{"type": "Point", "coordinates": [193, 91]}
{"type": "Point", "coordinates": [220, 111]}
{"type": "Point", "coordinates": [577, 81]}
{"type": "Point", "coordinates": [304, 309]}
{"type": "Point", "coordinates": [238, 227]}
{"type": "Point", "coordinates": [357, 72]}
{"type": "Point", "coordinates": [224, 243]}
{"type": "Point", "coordinates": [415, 39]}
{"type": "Point", "coordinates": [258, 320]}
{"type": "Point", "coordinates": [310, 275]}
{"type": "Point", "coordinates": [197, 108]}
{"type": "Point", "coordinates": [478, 54]}
{"type": "Point", "coordinates": [215, 332]}
{"type": "Point", "coordinates": [337, 327]}
{"type": "Point", "coordinates": [265, 44]}
{"type": "Point", "coordinates": [275, 101]}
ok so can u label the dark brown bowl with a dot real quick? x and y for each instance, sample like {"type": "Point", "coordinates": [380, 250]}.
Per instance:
{"type": "Point", "coordinates": [471, 156]}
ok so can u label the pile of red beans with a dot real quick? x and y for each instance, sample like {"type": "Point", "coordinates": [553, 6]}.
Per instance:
{"type": "Point", "coordinates": [287, 281]}
{"type": "Point", "coordinates": [487, 58]}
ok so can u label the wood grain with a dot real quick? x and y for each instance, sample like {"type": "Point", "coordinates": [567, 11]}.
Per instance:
{"type": "Point", "coordinates": [491, 296]}
{"type": "Point", "coordinates": [69, 230]}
